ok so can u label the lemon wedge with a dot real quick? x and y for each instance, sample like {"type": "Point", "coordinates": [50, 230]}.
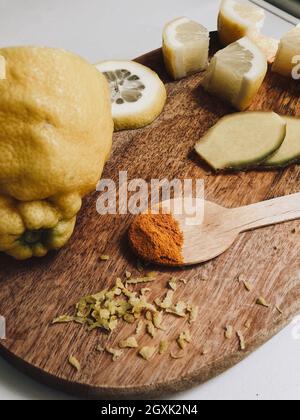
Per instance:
{"type": "Point", "coordinates": [236, 73]}
{"type": "Point", "coordinates": [288, 55]}
{"type": "Point", "coordinates": [237, 20]}
{"type": "Point", "coordinates": [138, 95]}
{"type": "Point", "coordinates": [185, 47]}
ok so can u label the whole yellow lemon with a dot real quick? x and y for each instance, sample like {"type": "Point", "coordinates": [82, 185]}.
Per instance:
{"type": "Point", "coordinates": [55, 137]}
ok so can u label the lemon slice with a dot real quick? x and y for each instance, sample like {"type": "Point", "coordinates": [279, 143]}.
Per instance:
{"type": "Point", "coordinates": [185, 47]}
{"type": "Point", "coordinates": [288, 55]}
{"type": "Point", "coordinates": [138, 95]}
{"type": "Point", "coordinates": [236, 73]}
{"type": "Point", "coordinates": [237, 20]}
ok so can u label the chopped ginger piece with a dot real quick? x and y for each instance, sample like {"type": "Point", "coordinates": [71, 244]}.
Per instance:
{"type": "Point", "coordinates": [147, 352]}
{"type": "Point", "coordinates": [75, 363]}
{"type": "Point", "coordinates": [130, 343]}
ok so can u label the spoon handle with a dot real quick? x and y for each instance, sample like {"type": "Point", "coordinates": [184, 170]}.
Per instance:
{"type": "Point", "coordinates": [267, 213]}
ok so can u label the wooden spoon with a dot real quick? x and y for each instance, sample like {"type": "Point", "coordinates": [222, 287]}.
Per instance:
{"type": "Point", "coordinates": [221, 226]}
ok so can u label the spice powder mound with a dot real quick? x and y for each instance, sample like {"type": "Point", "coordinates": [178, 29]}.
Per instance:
{"type": "Point", "coordinates": [157, 238]}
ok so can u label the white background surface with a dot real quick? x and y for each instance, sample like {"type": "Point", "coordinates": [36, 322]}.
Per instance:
{"type": "Point", "coordinates": [124, 29]}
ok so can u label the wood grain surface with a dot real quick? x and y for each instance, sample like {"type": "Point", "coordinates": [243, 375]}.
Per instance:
{"type": "Point", "coordinates": [34, 292]}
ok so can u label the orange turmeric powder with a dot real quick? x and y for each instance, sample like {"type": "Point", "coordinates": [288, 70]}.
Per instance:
{"type": "Point", "coordinates": [157, 238]}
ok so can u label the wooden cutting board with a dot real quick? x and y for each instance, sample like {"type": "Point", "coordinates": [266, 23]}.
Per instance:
{"type": "Point", "coordinates": [34, 292]}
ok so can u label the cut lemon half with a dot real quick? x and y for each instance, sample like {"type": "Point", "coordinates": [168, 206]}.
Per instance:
{"type": "Point", "coordinates": [237, 20]}
{"type": "Point", "coordinates": [236, 73]}
{"type": "Point", "coordinates": [288, 55]}
{"type": "Point", "coordinates": [185, 47]}
{"type": "Point", "coordinates": [138, 95]}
